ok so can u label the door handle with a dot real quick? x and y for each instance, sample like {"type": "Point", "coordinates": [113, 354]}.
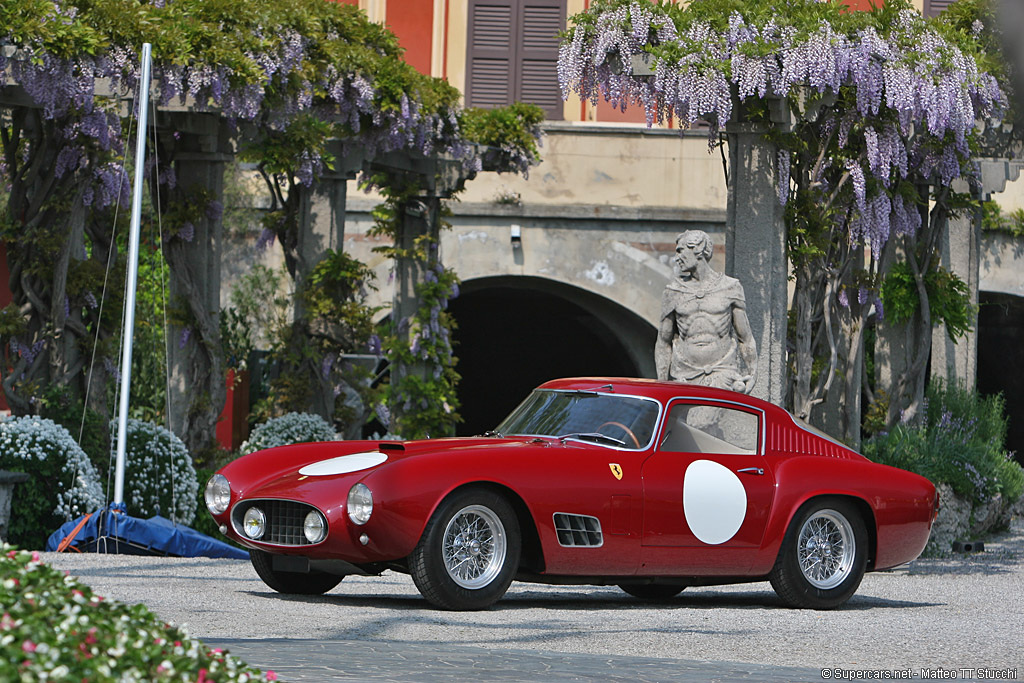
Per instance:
{"type": "Point", "coordinates": [752, 470]}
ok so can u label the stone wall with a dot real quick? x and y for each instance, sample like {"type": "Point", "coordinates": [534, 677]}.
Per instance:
{"type": "Point", "coordinates": [959, 520]}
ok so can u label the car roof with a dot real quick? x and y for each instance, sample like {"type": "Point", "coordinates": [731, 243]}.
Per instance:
{"type": "Point", "coordinates": [660, 389]}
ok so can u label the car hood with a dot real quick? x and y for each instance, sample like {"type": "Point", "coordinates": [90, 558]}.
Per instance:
{"type": "Point", "coordinates": [277, 471]}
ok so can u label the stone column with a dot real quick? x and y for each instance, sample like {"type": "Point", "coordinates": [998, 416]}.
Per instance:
{"type": "Point", "coordinates": [196, 372]}
{"type": "Point", "coordinates": [756, 250]}
{"type": "Point", "coordinates": [956, 362]}
{"type": "Point", "coordinates": [322, 214]}
{"type": "Point", "coordinates": [437, 178]}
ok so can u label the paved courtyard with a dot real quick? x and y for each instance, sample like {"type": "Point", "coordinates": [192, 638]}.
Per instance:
{"type": "Point", "coordinates": [930, 618]}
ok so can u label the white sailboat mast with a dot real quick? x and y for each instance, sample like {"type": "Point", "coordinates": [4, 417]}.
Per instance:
{"type": "Point", "coordinates": [133, 271]}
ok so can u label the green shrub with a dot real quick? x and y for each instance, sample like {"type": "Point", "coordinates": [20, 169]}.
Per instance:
{"type": "Point", "coordinates": [158, 473]}
{"type": "Point", "coordinates": [63, 483]}
{"type": "Point", "coordinates": [961, 443]}
{"type": "Point", "coordinates": [288, 429]}
{"type": "Point", "coordinates": [54, 628]}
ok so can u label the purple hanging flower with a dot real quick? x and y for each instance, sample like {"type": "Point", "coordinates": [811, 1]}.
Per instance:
{"type": "Point", "coordinates": [183, 339]}
{"type": "Point", "coordinates": [375, 346]}
{"type": "Point", "coordinates": [265, 240]}
{"type": "Point", "coordinates": [214, 210]}
{"type": "Point", "coordinates": [187, 231]}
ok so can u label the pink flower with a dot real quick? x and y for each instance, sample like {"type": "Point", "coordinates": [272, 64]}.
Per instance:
{"type": "Point", "coordinates": [35, 556]}
{"type": "Point", "coordinates": [202, 676]}
{"type": "Point", "coordinates": [271, 676]}
{"type": "Point", "coordinates": [28, 646]}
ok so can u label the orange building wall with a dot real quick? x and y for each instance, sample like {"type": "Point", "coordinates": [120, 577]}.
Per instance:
{"type": "Point", "coordinates": [412, 21]}
{"type": "Point", "coordinates": [863, 4]}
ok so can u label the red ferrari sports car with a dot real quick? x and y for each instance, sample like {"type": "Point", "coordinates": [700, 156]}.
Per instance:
{"type": "Point", "coordinates": [652, 486]}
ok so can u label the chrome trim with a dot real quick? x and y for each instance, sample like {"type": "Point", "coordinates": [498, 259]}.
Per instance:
{"type": "Point", "coordinates": [248, 502]}
{"type": "Point", "coordinates": [574, 533]}
{"type": "Point", "coordinates": [657, 418]}
{"type": "Point", "coordinates": [764, 422]}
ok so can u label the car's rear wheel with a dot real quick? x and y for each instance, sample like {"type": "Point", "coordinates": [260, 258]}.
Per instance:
{"type": "Point", "coordinates": [299, 583]}
{"type": "Point", "coordinates": [823, 556]}
{"type": "Point", "coordinates": [653, 591]}
{"type": "Point", "coordinates": [469, 552]}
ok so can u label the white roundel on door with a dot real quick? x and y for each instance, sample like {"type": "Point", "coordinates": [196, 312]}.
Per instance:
{"type": "Point", "coordinates": [714, 501]}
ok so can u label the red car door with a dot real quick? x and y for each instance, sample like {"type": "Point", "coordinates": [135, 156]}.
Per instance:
{"type": "Point", "coordinates": [707, 490]}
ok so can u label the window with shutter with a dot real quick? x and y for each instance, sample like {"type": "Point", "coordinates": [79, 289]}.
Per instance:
{"type": "Point", "coordinates": [933, 8]}
{"type": "Point", "coordinates": [513, 53]}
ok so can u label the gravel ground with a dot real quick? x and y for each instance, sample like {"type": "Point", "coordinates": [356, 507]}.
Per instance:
{"type": "Point", "coordinates": [958, 613]}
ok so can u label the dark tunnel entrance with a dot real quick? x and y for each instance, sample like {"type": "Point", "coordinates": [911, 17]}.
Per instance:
{"type": "Point", "coordinates": [516, 332]}
{"type": "Point", "coordinates": [1000, 360]}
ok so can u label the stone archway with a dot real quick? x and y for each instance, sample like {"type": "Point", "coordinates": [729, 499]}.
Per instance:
{"type": "Point", "coordinates": [1001, 358]}
{"type": "Point", "coordinates": [516, 332]}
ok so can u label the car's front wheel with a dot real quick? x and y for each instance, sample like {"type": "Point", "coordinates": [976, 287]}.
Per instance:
{"type": "Point", "coordinates": [823, 556]}
{"type": "Point", "coordinates": [469, 552]}
{"type": "Point", "coordinates": [299, 583]}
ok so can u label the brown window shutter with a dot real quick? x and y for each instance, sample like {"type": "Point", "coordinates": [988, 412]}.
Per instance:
{"type": "Point", "coordinates": [490, 77]}
{"type": "Point", "coordinates": [538, 56]}
{"type": "Point", "coordinates": [933, 8]}
{"type": "Point", "coordinates": [513, 53]}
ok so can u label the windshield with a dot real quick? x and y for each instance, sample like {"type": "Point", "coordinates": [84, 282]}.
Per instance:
{"type": "Point", "coordinates": [622, 421]}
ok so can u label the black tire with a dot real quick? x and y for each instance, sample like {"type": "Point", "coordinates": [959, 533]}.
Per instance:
{"type": "Point", "coordinates": [298, 583]}
{"type": "Point", "coordinates": [823, 555]}
{"type": "Point", "coordinates": [478, 530]}
{"type": "Point", "coordinates": [652, 591]}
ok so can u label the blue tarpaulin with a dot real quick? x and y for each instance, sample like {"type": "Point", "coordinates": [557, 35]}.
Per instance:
{"type": "Point", "coordinates": [112, 531]}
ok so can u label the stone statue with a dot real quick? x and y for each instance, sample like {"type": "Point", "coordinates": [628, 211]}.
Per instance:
{"type": "Point", "coordinates": [704, 331]}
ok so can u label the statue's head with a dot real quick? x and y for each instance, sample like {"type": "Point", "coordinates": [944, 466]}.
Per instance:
{"type": "Point", "coordinates": [698, 241]}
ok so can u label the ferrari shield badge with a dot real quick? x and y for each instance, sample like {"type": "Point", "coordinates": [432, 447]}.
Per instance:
{"type": "Point", "coordinates": [616, 470]}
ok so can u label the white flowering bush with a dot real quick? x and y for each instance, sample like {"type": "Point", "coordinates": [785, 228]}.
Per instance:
{"type": "Point", "coordinates": [158, 473]}
{"type": "Point", "coordinates": [63, 484]}
{"type": "Point", "coordinates": [54, 628]}
{"type": "Point", "coordinates": [288, 429]}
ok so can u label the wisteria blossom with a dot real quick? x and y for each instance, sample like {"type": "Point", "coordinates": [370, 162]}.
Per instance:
{"type": "Point", "coordinates": [923, 92]}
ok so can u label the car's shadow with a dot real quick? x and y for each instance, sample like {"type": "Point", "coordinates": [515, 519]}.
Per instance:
{"type": "Point", "coordinates": [520, 600]}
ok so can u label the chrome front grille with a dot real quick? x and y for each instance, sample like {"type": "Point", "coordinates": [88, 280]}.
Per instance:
{"type": "Point", "coordinates": [285, 519]}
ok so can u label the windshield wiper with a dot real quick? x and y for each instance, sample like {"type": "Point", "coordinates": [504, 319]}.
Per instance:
{"type": "Point", "coordinates": [593, 436]}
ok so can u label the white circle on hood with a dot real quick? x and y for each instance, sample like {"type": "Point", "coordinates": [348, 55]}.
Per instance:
{"type": "Point", "coordinates": [344, 464]}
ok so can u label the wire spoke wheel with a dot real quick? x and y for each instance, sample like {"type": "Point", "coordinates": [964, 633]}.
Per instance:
{"type": "Point", "coordinates": [469, 551]}
{"type": "Point", "coordinates": [474, 547]}
{"type": "Point", "coordinates": [823, 556]}
{"type": "Point", "coordinates": [826, 549]}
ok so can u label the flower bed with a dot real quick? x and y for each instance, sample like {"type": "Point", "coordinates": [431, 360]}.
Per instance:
{"type": "Point", "coordinates": [54, 628]}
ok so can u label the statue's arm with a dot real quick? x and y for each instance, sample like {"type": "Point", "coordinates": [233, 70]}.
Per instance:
{"type": "Point", "coordinates": [663, 347]}
{"type": "Point", "coordinates": [747, 343]}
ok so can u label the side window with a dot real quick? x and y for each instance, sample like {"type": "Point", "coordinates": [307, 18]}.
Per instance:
{"type": "Point", "coordinates": [695, 428]}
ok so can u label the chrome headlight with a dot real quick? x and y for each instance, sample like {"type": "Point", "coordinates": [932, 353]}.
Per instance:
{"type": "Point", "coordinates": [218, 494]}
{"type": "Point", "coordinates": [315, 528]}
{"type": "Point", "coordinates": [360, 503]}
{"type": "Point", "coordinates": [255, 523]}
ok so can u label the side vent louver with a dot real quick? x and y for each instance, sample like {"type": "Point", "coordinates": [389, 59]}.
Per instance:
{"type": "Point", "coordinates": [575, 531]}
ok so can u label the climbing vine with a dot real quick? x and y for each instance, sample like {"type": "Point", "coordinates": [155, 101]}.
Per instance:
{"type": "Point", "coordinates": [873, 114]}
